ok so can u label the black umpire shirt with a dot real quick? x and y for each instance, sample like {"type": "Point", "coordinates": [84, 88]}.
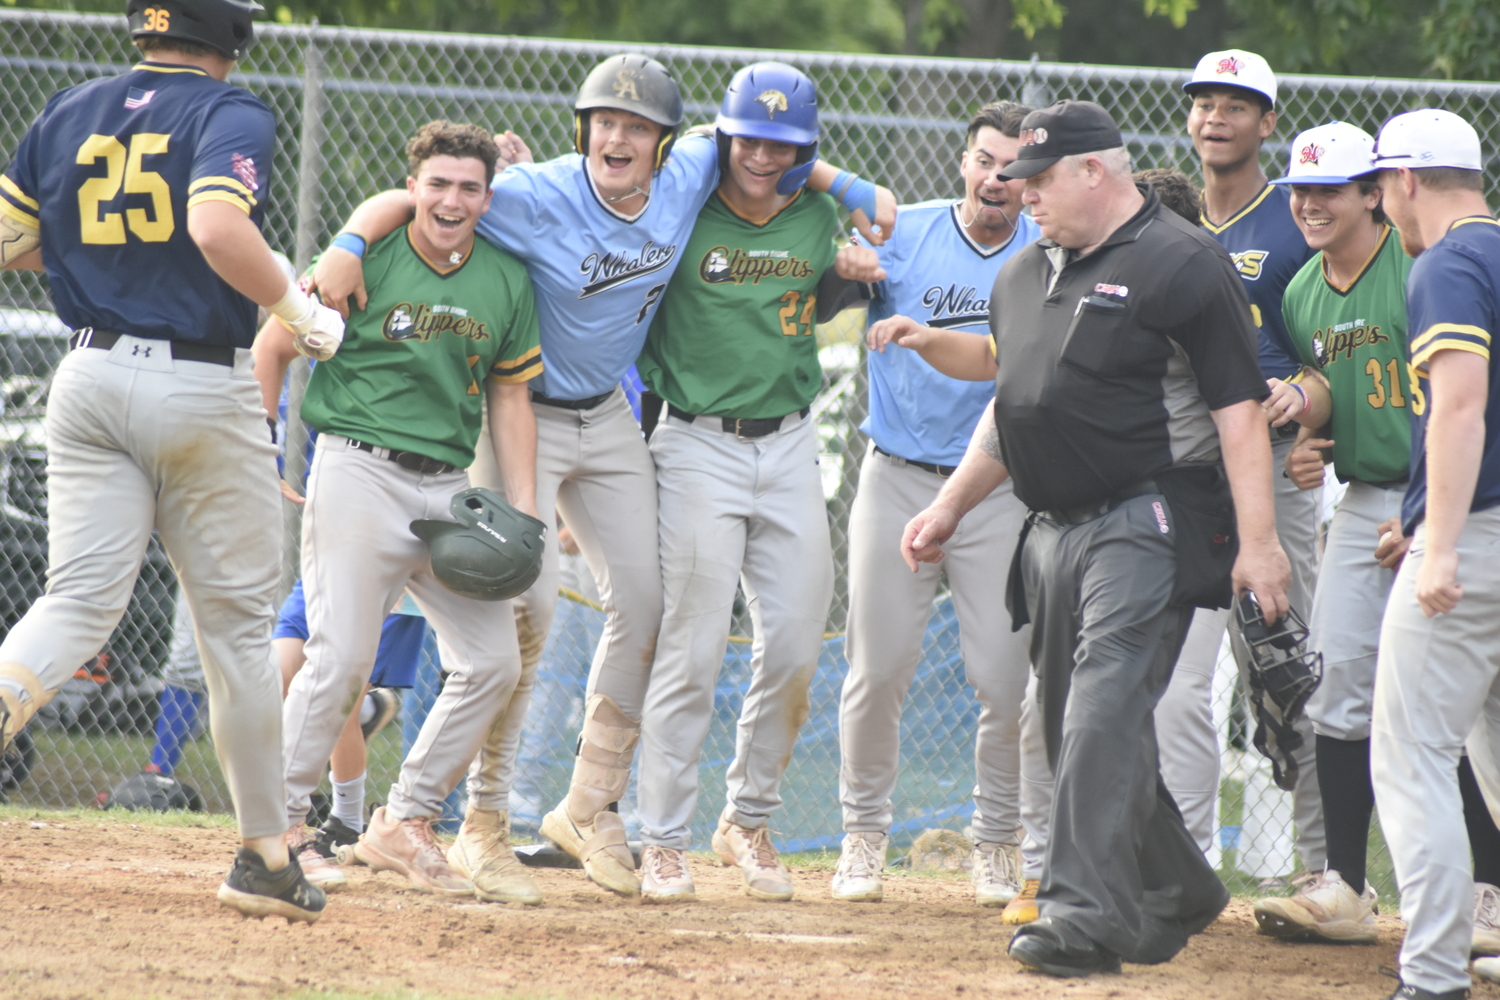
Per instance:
{"type": "Point", "coordinates": [1110, 363]}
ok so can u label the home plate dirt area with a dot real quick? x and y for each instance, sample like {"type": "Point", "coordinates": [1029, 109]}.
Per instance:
{"type": "Point", "coordinates": [96, 906]}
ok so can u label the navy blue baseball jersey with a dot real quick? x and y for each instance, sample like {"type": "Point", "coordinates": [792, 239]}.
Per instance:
{"type": "Point", "coordinates": [110, 169]}
{"type": "Point", "coordinates": [1268, 250]}
{"type": "Point", "coordinates": [1453, 304]}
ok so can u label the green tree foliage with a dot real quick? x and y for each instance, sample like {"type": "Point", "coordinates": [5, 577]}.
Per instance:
{"type": "Point", "coordinates": [1462, 39]}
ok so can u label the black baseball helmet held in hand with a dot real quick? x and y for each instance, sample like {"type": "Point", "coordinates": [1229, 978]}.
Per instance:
{"type": "Point", "coordinates": [492, 552]}
{"type": "Point", "coordinates": [634, 83]}
{"type": "Point", "coordinates": [222, 25]}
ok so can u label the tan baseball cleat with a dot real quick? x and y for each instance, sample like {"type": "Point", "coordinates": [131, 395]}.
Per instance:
{"type": "Point", "coordinates": [665, 877]}
{"type": "Point", "coordinates": [750, 849]}
{"type": "Point", "coordinates": [582, 824]}
{"type": "Point", "coordinates": [1326, 909]}
{"type": "Point", "coordinates": [1022, 909]}
{"type": "Point", "coordinates": [409, 847]}
{"type": "Point", "coordinates": [1486, 939]}
{"type": "Point", "coordinates": [16, 711]}
{"type": "Point", "coordinates": [483, 855]}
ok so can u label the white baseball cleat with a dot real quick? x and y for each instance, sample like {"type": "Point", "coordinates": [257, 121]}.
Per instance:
{"type": "Point", "coordinates": [665, 877]}
{"type": "Point", "coordinates": [1326, 909]}
{"type": "Point", "coordinates": [1486, 920]}
{"type": "Point", "coordinates": [861, 860]}
{"type": "Point", "coordinates": [996, 872]}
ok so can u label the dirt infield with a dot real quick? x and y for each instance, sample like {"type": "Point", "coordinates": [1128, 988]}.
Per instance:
{"type": "Point", "coordinates": [98, 907]}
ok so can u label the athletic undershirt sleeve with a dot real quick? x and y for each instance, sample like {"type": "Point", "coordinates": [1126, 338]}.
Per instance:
{"type": "Point", "coordinates": [1451, 308]}
{"type": "Point", "coordinates": [233, 156]}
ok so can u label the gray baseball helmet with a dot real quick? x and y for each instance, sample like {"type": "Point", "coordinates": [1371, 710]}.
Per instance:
{"type": "Point", "coordinates": [491, 552]}
{"type": "Point", "coordinates": [634, 83]}
{"type": "Point", "coordinates": [149, 792]}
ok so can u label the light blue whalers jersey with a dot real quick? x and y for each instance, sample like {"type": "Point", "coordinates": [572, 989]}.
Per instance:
{"type": "Point", "coordinates": [939, 277]}
{"type": "Point", "coordinates": [1268, 250]}
{"type": "Point", "coordinates": [598, 277]}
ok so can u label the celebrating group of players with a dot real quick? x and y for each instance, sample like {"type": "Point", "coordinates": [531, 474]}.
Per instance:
{"type": "Point", "coordinates": [467, 395]}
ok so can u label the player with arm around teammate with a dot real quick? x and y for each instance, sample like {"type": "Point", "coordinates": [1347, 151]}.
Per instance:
{"type": "Point", "coordinates": [601, 233]}
{"type": "Point", "coordinates": [154, 419]}
{"type": "Point", "coordinates": [733, 354]}
{"type": "Point", "coordinates": [450, 321]}
{"type": "Point", "coordinates": [937, 275]}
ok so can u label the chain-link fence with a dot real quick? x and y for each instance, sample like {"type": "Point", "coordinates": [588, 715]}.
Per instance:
{"type": "Point", "coordinates": [346, 101]}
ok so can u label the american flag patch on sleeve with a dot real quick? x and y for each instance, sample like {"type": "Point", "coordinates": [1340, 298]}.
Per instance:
{"type": "Point", "coordinates": [138, 98]}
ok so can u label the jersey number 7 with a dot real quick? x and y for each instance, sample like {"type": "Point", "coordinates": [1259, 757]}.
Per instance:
{"type": "Point", "coordinates": [122, 168]}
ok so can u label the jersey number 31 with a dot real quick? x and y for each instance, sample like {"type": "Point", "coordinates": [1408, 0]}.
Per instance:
{"type": "Point", "coordinates": [122, 169]}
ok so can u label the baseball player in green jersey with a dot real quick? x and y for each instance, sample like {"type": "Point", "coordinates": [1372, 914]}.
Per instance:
{"type": "Point", "coordinates": [740, 497]}
{"type": "Point", "coordinates": [451, 322]}
{"type": "Point", "coordinates": [1345, 311]}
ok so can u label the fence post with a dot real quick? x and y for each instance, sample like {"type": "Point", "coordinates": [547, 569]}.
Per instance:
{"type": "Point", "coordinates": [309, 228]}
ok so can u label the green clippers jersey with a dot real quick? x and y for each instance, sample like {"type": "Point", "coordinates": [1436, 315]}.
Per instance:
{"type": "Point", "coordinates": [734, 336]}
{"type": "Point", "coordinates": [409, 372]}
{"type": "Point", "coordinates": [1356, 337]}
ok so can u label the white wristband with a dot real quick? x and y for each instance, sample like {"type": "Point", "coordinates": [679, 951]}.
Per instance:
{"type": "Point", "coordinates": [295, 308]}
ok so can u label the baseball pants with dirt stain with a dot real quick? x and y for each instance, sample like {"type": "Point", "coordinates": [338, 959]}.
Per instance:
{"type": "Point", "coordinates": [358, 554]}
{"type": "Point", "coordinates": [733, 510]}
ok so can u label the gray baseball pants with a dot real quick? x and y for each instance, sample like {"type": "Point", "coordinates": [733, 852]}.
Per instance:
{"type": "Point", "coordinates": [1120, 864]}
{"type": "Point", "coordinates": [593, 467]}
{"type": "Point", "coordinates": [358, 555]}
{"type": "Point", "coordinates": [733, 511]}
{"type": "Point", "coordinates": [888, 610]}
{"type": "Point", "coordinates": [1436, 681]}
{"type": "Point", "coordinates": [135, 441]}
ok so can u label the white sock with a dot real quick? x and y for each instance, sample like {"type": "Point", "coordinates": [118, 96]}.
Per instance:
{"type": "Point", "coordinates": [349, 802]}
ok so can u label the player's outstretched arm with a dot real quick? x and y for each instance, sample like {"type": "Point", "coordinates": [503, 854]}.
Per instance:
{"type": "Point", "coordinates": [273, 350]}
{"type": "Point", "coordinates": [956, 354]}
{"type": "Point", "coordinates": [1261, 567]}
{"type": "Point", "coordinates": [976, 477]}
{"type": "Point", "coordinates": [513, 430]}
{"type": "Point", "coordinates": [234, 248]}
{"type": "Point", "coordinates": [863, 198]}
{"type": "Point", "coordinates": [339, 273]}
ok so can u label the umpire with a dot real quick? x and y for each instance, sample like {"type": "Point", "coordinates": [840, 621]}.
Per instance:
{"type": "Point", "coordinates": [1127, 408]}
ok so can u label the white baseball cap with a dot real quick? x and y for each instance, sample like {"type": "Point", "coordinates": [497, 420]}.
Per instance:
{"type": "Point", "coordinates": [1427, 138]}
{"type": "Point", "coordinates": [1235, 68]}
{"type": "Point", "coordinates": [1335, 153]}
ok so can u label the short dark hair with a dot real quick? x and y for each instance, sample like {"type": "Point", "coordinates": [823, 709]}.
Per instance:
{"type": "Point", "coordinates": [1004, 117]}
{"type": "Point", "coordinates": [186, 47]}
{"type": "Point", "coordinates": [445, 138]}
{"type": "Point", "coordinates": [1244, 93]}
{"type": "Point", "coordinates": [1175, 191]}
{"type": "Point", "coordinates": [1370, 186]}
{"type": "Point", "coordinates": [1450, 179]}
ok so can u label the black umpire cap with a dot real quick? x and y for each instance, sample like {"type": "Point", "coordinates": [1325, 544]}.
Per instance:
{"type": "Point", "coordinates": [1062, 129]}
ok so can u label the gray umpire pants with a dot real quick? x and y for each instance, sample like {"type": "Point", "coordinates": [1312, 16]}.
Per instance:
{"type": "Point", "coordinates": [1437, 684]}
{"type": "Point", "coordinates": [888, 610]}
{"type": "Point", "coordinates": [1120, 864]}
{"type": "Point", "coordinates": [358, 555]}
{"type": "Point", "coordinates": [593, 467]}
{"type": "Point", "coordinates": [733, 511]}
{"type": "Point", "coordinates": [135, 441]}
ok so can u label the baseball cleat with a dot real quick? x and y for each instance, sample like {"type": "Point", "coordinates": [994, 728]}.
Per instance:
{"type": "Point", "coordinates": [1487, 969]}
{"type": "Point", "coordinates": [1022, 909]}
{"type": "Point", "coordinates": [996, 872]}
{"type": "Point", "coordinates": [332, 835]}
{"type": "Point", "coordinates": [482, 854]}
{"type": "Point", "coordinates": [1406, 991]}
{"type": "Point", "coordinates": [15, 710]}
{"type": "Point", "coordinates": [1326, 909]}
{"type": "Point", "coordinates": [409, 847]}
{"type": "Point", "coordinates": [751, 850]}
{"type": "Point", "coordinates": [861, 860]}
{"type": "Point", "coordinates": [600, 845]}
{"type": "Point", "coordinates": [1486, 939]}
{"type": "Point", "coordinates": [258, 892]}
{"type": "Point", "coordinates": [316, 866]}
{"type": "Point", "coordinates": [665, 877]}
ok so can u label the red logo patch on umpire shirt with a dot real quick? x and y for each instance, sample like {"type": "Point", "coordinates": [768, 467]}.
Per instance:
{"type": "Point", "coordinates": [1161, 517]}
{"type": "Point", "coordinates": [244, 168]}
{"type": "Point", "coordinates": [1118, 291]}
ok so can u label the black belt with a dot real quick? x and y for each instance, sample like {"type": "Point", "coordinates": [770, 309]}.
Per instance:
{"type": "Point", "coordinates": [1389, 485]}
{"type": "Point", "coordinates": [937, 470]}
{"type": "Point", "coordinates": [740, 427]}
{"type": "Point", "coordinates": [572, 404]}
{"type": "Point", "coordinates": [182, 350]}
{"type": "Point", "coordinates": [1092, 512]}
{"type": "Point", "coordinates": [409, 460]}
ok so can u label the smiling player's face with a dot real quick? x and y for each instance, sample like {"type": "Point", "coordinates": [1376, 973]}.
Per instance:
{"type": "Point", "coordinates": [1330, 214]}
{"type": "Point", "coordinates": [755, 165]}
{"type": "Point", "coordinates": [1227, 127]}
{"type": "Point", "coordinates": [622, 150]}
{"type": "Point", "coordinates": [991, 201]}
{"type": "Point", "coordinates": [449, 195]}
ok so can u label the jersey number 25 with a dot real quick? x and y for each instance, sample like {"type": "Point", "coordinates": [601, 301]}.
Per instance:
{"type": "Point", "coordinates": [122, 169]}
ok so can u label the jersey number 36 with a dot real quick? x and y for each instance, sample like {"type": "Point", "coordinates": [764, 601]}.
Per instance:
{"type": "Point", "coordinates": [123, 170]}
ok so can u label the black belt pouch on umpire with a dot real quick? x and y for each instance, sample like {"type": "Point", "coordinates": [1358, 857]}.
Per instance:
{"type": "Point", "coordinates": [1203, 533]}
{"type": "Point", "coordinates": [1015, 580]}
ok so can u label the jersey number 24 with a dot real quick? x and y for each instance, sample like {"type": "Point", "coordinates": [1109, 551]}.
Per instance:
{"type": "Point", "coordinates": [123, 169]}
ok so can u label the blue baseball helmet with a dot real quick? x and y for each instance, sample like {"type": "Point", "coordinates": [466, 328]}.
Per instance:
{"type": "Point", "coordinates": [771, 100]}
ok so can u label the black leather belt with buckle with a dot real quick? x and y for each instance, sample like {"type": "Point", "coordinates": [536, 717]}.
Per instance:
{"type": "Point", "coordinates": [1084, 513]}
{"type": "Point", "coordinates": [408, 460]}
{"type": "Point", "coordinates": [740, 427]}
{"type": "Point", "coordinates": [182, 350]}
{"type": "Point", "coordinates": [572, 404]}
{"type": "Point", "coordinates": [937, 470]}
